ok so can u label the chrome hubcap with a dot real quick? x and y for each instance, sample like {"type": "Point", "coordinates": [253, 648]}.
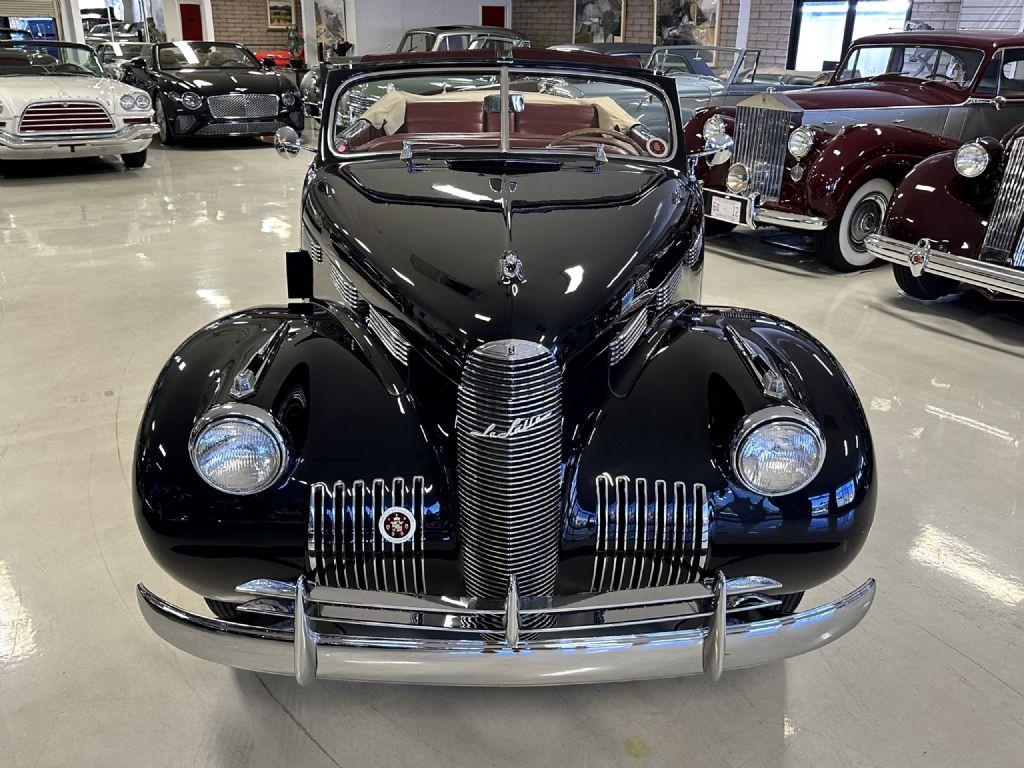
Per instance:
{"type": "Point", "coordinates": [867, 219]}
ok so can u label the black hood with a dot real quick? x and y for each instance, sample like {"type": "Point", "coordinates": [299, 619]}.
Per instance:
{"type": "Point", "coordinates": [216, 81]}
{"type": "Point", "coordinates": [431, 241]}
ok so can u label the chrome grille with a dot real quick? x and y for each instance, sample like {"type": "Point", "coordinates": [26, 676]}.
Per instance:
{"type": "Point", "coordinates": [761, 135]}
{"type": "Point", "coordinates": [355, 105]}
{"type": "Point", "coordinates": [649, 537]}
{"type": "Point", "coordinates": [389, 336]}
{"type": "Point", "coordinates": [239, 129]}
{"type": "Point", "coordinates": [627, 338]}
{"type": "Point", "coordinates": [235, 105]}
{"type": "Point", "coordinates": [313, 248]}
{"type": "Point", "coordinates": [350, 297]}
{"type": "Point", "coordinates": [65, 117]}
{"type": "Point", "coordinates": [509, 428]}
{"type": "Point", "coordinates": [344, 546]}
{"type": "Point", "coordinates": [1004, 223]}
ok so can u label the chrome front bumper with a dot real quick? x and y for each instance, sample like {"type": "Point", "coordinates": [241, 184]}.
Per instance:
{"type": "Point", "coordinates": [118, 138]}
{"type": "Point", "coordinates": [510, 652]}
{"type": "Point", "coordinates": [754, 215]}
{"type": "Point", "coordinates": [920, 258]}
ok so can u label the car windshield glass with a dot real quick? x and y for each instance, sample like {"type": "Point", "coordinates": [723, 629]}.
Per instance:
{"type": "Point", "coordinates": [417, 41]}
{"type": "Point", "coordinates": [41, 58]}
{"type": "Point", "coordinates": [697, 60]}
{"type": "Point", "coordinates": [462, 110]}
{"type": "Point", "coordinates": [185, 55]}
{"type": "Point", "coordinates": [954, 67]}
{"type": "Point", "coordinates": [123, 51]}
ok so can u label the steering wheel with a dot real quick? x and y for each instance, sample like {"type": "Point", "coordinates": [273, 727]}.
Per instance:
{"type": "Point", "coordinates": [600, 132]}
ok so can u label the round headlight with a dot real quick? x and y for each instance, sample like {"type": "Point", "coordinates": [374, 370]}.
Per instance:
{"type": "Point", "coordinates": [714, 127]}
{"type": "Point", "coordinates": [971, 160]}
{"type": "Point", "coordinates": [288, 97]}
{"type": "Point", "coordinates": [127, 101]}
{"type": "Point", "coordinates": [737, 178]}
{"type": "Point", "coordinates": [778, 451]}
{"type": "Point", "coordinates": [240, 452]}
{"type": "Point", "coordinates": [800, 142]}
{"type": "Point", "coordinates": [191, 100]}
{"type": "Point", "coordinates": [142, 101]}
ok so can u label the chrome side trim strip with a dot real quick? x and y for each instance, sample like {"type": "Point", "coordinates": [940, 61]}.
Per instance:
{"type": "Point", "coordinates": [247, 380]}
{"type": "Point", "coordinates": [761, 367]}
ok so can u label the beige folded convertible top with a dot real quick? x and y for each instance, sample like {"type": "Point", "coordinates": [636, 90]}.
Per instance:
{"type": "Point", "coordinates": [388, 113]}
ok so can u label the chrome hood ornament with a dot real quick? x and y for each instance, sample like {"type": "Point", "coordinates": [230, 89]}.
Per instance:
{"type": "Point", "coordinates": [511, 268]}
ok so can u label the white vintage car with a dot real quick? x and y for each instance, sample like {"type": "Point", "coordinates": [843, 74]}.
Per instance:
{"type": "Point", "coordinates": [55, 101]}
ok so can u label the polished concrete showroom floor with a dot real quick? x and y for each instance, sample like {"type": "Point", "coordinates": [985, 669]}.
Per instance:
{"type": "Point", "coordinates": [103, 273]}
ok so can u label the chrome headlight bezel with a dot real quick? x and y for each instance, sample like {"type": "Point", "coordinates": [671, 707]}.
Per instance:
{"type": "Point", "coordinates": [289, 98]}
{"type": "Point", "coordinates": [191, 100]}
{"type": "Point", "coordinates": [714, 127]}
{"type": "Point", "coordinates": [142, 101]}
{"type": "Point", "coordinates": [127, 102]}
{"type": "Point", "coordinates": [971, 160]}
{"type": "Point", "coordinates": [768, 417]}
{"type": "Point", "coordinates": [737, 180]}
{"type": "Point", "coordinates": [800, 142]}
{"type": "Point", "coordinates": [252, 416]}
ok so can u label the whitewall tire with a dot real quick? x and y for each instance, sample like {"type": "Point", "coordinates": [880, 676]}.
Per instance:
{"type": "Point", "coordinates": [841, 244]}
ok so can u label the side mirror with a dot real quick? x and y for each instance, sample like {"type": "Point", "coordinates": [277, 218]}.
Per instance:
{"type": "Point", "coordinates": [138, 62]}
{"type": "Point", "coordinates": [287, 143]}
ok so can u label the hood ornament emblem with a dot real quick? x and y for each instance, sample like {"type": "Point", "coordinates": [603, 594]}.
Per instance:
{"type": "Point", "coordinates": [510, 268]}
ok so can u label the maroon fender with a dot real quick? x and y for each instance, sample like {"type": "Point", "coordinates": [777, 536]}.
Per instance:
{"type": "Point", "coordinates": [862, 152]}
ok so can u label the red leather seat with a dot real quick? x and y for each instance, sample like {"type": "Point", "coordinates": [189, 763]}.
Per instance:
{"type": "Point", "coordinates": [555, 119]}
{"type": "Point", "coordinates": [443, 117]}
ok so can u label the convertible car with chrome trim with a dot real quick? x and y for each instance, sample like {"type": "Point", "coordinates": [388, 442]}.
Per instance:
{"type": "Point", "coordinates": [956, 220]}
{"type": "Point", "coordinates": [826, 160]}
{"type": "Point", "coordinates": [494, 438]}
{"type": "Point", "coordinates": [206, 89]}
{"type": "Point", "coordinates": [55, 102]}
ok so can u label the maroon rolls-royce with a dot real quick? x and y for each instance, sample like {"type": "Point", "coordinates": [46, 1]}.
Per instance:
{"type": "Point", "coordinates": [956, 220]}
{"type": "Point", "coordinates": [826, 160]}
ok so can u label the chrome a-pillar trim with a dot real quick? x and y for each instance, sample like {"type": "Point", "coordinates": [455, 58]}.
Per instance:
{"type": "Point", "coordinates": [965, 269]}
{"type": "Point", "coordinates": [539, 660]}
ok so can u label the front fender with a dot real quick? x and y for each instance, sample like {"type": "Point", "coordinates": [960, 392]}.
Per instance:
{"type": "Point", "coordinates": [859, 153]}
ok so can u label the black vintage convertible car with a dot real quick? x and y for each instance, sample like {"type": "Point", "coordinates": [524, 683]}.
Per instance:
{"type": "Point", "coordinates": [494, 438]}
{"type": "Point", "coordinates": [207, 89]}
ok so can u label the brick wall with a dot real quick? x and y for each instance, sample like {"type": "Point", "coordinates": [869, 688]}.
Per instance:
{"type": "Point", "coordinates": [245, 21]}
{"type": "Point", "coordinates": [545, 22]}
{"type": "Point", "coordinates": [639, 21]}
{"type": "Point", "coordinates": [940, 15]}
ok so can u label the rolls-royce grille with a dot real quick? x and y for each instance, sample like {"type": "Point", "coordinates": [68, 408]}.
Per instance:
{"type": "Point", "coordinates": [509, 460]}
{"type": "Point", "coordinates": [235, 105]}
{"type": "Point", "coordinates": [1003, 242]}
{"type": "Point", "coordinates": [65, 117]}
{"type": "Point", "coordinates": [356, 104]}
{"type": "Point", "coordinates": [649, 534]}
{"type": "Point", "coordinates": [761, 136]}
{"type": "Point", "coordinates": [345, 547]}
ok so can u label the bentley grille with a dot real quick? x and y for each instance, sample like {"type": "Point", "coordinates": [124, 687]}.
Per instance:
{"type": "Point", "coordinates": [65, 117]}
{"type": "Point", "coordinates": [761, 136]}
{"type": "Point", "coordinates": [244, 105]}
{"type": "Point", "coordinates": [1002, 245]}
{"type": "Point", "coordinates": [345, 547]}
{"type": "Point", "coordinates": [649, 534]}
{"type": "Point", "coordinates": [509, 428]}
{"type": "Point", "coordinates": [239, 129]}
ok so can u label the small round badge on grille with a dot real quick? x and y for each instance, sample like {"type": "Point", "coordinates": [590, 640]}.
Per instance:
{"type": "Point", "coordinates": [397, 525]}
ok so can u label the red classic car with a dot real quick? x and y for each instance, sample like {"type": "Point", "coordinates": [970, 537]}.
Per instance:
{"type": "Point", "coordinates": [956, 219]}
{"type": "Point", "coordinates": [280, 57]}
{"type": "Point", "coordinates": [826, 160]}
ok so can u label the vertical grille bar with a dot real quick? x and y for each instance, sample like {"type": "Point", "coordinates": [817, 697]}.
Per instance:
{"type": "Point", "coordinates": [509, 459]}
{"type": "Point", "coordinates": [761, 136]}
{"type": "Point", "coordinates": [1004, 223]}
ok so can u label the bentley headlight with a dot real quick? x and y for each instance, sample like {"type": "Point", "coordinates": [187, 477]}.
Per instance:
{"type": "Point", "coordinates": [738, 178]}
{"type": "Point", "coordinates": [800, 142]}
{"type": "Point", "coordinates": [238, 449]}
{"type": "Point", "coordinates": [971, 160]}
{"type": "Point", "coordinates": [288, 98]}
{"type": "Point", "coordinates": [714, 127]}
{"type": "Point", "coordinates": [777, 451]}
{"type": "Point", "coordinates": [127, 101]}
{"type": "Point", "coordinates": [191, 100]}
{"type": "Point", "coordinates": [142, 101]}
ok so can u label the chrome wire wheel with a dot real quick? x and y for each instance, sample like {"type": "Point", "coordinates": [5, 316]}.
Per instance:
{"type": "Point", "coordinates": [867, 218]}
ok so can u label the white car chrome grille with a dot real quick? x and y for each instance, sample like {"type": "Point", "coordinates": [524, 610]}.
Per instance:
{"type": "Point", "coordinates": [65, 117]}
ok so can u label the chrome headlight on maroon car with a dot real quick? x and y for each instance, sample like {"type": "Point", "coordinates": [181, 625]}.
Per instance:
{"type": "Point", "coordinates": [800, 142]}
{"type": "Point", "coordinates": [238, 449]}
{"type": "Point", "coordinates": [971, 160]}
{"type": "Point", "coordinates": [777, 450]}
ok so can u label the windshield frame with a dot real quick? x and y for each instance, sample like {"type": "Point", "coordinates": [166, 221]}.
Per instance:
{"type": "Point", "coordinates": [36, 43]}
{"type": "Point", "coordinates": [968, 86]}
{"type": "Point", "coordinates": [178, 43]}
{"type": "Point", "coordinates": [737, 65]}
{"type": "Point", "coordinates": [329, 152]}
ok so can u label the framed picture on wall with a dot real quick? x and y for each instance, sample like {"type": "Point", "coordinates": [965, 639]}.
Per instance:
{"type": "Point", "coordinates": [280, 13]}
{"type": "Point", "coordinates": [599, 21]}
{"type": "Point", "coordinates": [687, 22]}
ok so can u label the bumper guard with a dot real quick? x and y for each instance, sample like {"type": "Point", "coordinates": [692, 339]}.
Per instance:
{"type": "Point", "coordinates": [510, 642]}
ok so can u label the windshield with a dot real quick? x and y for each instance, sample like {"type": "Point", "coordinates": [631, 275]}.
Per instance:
{"type": "Point", "coordinates": [417, 41]}
{"type": "Point", "coordinates": [123, 51]}
{"type": "Point", "coordinates": [700, 60]}
{"type": "Point", "coordinates": [953, 67]}
{"type": "Point", "coordinates": [42, 58]}
{"type": "Point", "coordinates": [548, 111]}
{"type": "Point", "coordinates": [185, 55]}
